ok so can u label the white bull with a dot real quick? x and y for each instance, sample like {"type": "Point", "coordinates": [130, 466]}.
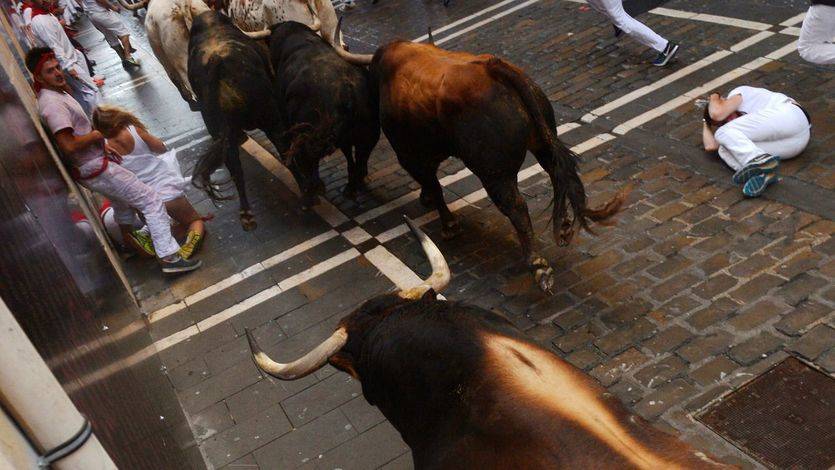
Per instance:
{"type": "Point", "coordinates": [168, 23]}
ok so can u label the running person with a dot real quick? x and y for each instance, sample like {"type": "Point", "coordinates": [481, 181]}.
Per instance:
{"type": "Point", "coordinates": [753, 129]}
{"type": "Point", "coordinates": [613, 9]}
{"type": "Point", "coordinates": [146, 156]}
{"type": "Point", "coordinates": [103, 15]}
{"type": "Point", "coordinates": [94, 164]}
{"type": "Point", "coordinates": [815, 43]}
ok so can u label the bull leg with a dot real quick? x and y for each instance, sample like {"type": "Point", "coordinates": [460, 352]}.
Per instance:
{"type": "Point", "coordinates": [431, 193]}
{"type": "Point", "coordinates": [505, 195]}
{"type": "Point", "coordinates": [350, 191]}
{"type": "Point", "coordinates": [233, 164]}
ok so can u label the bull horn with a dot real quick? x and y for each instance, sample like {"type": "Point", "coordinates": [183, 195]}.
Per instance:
{"type": "Point", "coordinates": [263, 34]}
{"type": "Point", "coordinates": [440, 270]}
{"type": "Point", "coordinates": [133, 6]}
{"type": "Point", "coordinates": [429, 34]}
{"type": "Point", "coordinates": [358, 59]}
{"type": "Point", "coordinates": [305, 365]}
{"type": "Point", "coordinates": [317, 23]}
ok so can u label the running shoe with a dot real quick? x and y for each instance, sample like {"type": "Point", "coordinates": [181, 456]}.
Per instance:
{"type": "Point", "coordinates": [143, 240]}
{"type": "Point", "coordinates": [764, 163]}
{"type": "Point", "coordinates": [188, 248]}
{"type": "Point", "coordinates": [666, 55]}
{"type": "Point", "coordinates": [756, 185]}
{"type": "Point", "coordinates": [179, 265]}
{"type": "Point", "coordinates": [618, 31]}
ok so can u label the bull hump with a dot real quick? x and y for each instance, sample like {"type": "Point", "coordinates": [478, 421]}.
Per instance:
{"type": "Point", "coordinates": [548, 383]}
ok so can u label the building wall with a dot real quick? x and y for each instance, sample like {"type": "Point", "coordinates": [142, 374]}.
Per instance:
{"type": "Point", "coordinates": [61, 288]}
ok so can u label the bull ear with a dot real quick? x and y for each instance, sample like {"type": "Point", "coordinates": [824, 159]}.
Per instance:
{"type": "Point", "coordinates": [344, 362]}
{"type": "Point", "coordinates": [430, 294]}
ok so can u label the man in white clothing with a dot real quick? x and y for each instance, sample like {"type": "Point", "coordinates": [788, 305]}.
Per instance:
{"type": "Point", "coordinates": [95, 165]}
{"type": "Point", "coordinates": [105, 18]}
{"type": "Point", "coordinates": [49, 33]}
{"type": "Point", "coordinates": [638, 31]}
{"type": "Point", "coordinates": [753, 129]}
{"type": "Point", "coordinates": [818, 33]}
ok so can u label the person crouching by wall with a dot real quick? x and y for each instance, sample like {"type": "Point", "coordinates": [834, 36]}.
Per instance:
{"type": "Point", "coordinates": [753, 129]}
{"type": "Point", "coordinates": [95, 164]}
{"type": "Point", "coordinates": [146, 156]}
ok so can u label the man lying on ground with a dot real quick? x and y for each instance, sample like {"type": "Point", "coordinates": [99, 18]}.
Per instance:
{"type": "Point", "coordinates": [753, 129]}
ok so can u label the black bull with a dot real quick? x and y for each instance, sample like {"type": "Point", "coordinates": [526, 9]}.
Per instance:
{"type": "Point", "coordinates": [307, 100]}
{"type": "Point", "coordinates": [465, 389]}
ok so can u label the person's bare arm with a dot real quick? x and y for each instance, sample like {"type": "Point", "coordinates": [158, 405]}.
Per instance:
{"type": "Point", "coordinates": [709, 141]}
{"type": "Point", "coordinates": [156, 145]}
{"type": "Point", "coordinates": [70, 144]}
{"type": "Point", "coordinates": [720, 108]}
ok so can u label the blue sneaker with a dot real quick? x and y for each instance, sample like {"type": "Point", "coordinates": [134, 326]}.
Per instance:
{"type": "Point", "coordinates": [765, 163]}
{"type": "Point", "coordinates": [666, 55]}
{"type": "Point", "coordinates": [756, 185]}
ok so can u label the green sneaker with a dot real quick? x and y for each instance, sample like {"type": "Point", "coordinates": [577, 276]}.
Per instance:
{"type": "Point", "coordinates": [188, 248]}
{"type": "Point", "coordinates": [143, 240]}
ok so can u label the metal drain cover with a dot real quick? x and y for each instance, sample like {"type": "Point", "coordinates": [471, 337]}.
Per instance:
{"type": "Point", "coordinates": [784, 418]}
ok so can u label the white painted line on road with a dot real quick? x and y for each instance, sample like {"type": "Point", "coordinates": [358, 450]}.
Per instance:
{"type": "Point", "coordinates": [484, 22]}
{"type": "Point", "coordinates": [567, 127]}
{"type": "Point", "coordinates": [257, 299]}
{"type": "Point", "coordinates": [794, 20]}
{"type": "Point", "coordinates": [791, 31]}
{"type": "Point", "coordinates": [705, 88]}
{"type": "Point", "coordinates": [751, 41]}
{"type": "Point", "coordinates": [356, 235]}
{"type": "Point", "coordinates": [324, 208]}
{"type": "Point", "coordinates": [463, 20]}
{"type": "Point", "coordinates": [392, 267]}
{"type": "Point", "coordinates": [236, 278]}
{"type": "Point", "coordinates": [109, 94]}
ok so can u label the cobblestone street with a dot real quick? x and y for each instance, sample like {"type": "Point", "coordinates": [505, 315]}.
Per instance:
{"type": "Point", "coordinates": [694, 291]}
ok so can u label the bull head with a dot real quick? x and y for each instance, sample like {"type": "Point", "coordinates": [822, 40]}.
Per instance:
{"type": "Point", "coordinates": [318, 356]}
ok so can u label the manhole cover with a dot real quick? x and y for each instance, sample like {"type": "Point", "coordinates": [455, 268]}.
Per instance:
{"type": "Point", "coordinates": [785, 418]}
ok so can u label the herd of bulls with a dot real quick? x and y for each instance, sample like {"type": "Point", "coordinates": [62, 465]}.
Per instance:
{"type": "Point", "coordinates": [463, 387]}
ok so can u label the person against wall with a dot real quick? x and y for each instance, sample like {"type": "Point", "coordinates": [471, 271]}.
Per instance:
{"type": "Point", "coordinates": [94, 164]}
{"type": "Point", "coordinates": [753, 129]}
{"type": "Point", "coordinates": [147, 157]}
{"type": "Point", "coordinates": [49, 33]}
{"type": "Point", "coordinates": [818, 33]}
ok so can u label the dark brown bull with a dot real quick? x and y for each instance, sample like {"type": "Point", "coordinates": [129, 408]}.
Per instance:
{"type": "Point", "coordinates": [436, 103]}
{"type": "Point", "coordinates": [466, 389]}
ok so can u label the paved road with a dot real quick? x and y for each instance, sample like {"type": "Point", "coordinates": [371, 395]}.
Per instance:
{"type": "Point", "coordinates": [692, 293]}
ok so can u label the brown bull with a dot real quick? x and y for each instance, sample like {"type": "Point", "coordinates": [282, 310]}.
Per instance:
{"type": "Point", "coordinates": [436, 103]}
{"type": "Point", "coordinates": [467, 390]}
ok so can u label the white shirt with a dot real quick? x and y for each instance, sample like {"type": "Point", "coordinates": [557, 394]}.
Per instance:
{"type": "Point", "coordinates": [756, 99]}
{"type": "Point", "coordinates": [92, 6]}
{"type": "Point", "coordinates": [61, 111]}
{"type": "Point", "coordinates": [49, 33]}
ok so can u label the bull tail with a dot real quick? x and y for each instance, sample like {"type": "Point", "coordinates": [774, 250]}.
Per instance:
{"type": "Point", "coordinates": [556, 159]}
{"type": "Point", "coordinates": [207, 164]}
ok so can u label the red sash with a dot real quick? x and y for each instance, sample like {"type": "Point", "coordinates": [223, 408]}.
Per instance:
{"type": "Point", "coordinates": [77, 174]}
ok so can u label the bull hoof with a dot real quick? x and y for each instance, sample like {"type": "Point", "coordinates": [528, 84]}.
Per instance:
{"type": "Point", "coordinates": [544, 275]}
{"type": "Point", "coordinates": [450, 230]}
{"type": "Point", "coordinates": [193, 105]}
{"type": "Point", "coordinates": [248, 221]}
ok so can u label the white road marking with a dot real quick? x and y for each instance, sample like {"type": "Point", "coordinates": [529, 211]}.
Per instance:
{"type": "Point", "coordinates": [791, 31]}
{"type": "Point", "coordinates": [109, 94]}
{"type": "Point", "coordinates": [193, 143]}
{"type": "Point", "coordinates": [705, 88]}
{"type": "Point", "coordinates": [794, 20]}
{"type": "Point", "coordinates": [484, 22]}
{"type": "Point", "coordinates": [462, 20]}
{"type": "Point", "coordinates": [723, 20]}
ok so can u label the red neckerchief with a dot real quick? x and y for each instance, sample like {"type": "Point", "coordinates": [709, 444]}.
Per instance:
{"type": "Point", "coordinates": [48, 56]}
{"type": "Point", "coordinates": [36, 10]}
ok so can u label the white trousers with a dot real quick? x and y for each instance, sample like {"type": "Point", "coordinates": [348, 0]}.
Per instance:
{"type": "Point", "coordinates": [638, 31]}
{"type": "Point", "coordinates": [110, 24]}
{"type": "Point", "coordinates": [815, 44]}
{"type": "Point", "coordinates": [126, 193]}
{"type": "Point", "coordinates": [780, 130]}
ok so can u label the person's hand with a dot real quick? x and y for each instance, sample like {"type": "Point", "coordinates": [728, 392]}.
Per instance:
{"type": "Point", "coordinates": [114, 7]}
{"type": "Point", "coordinates": [73, 73]}
{"type": "Point", "coordinates": [111, 153]}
